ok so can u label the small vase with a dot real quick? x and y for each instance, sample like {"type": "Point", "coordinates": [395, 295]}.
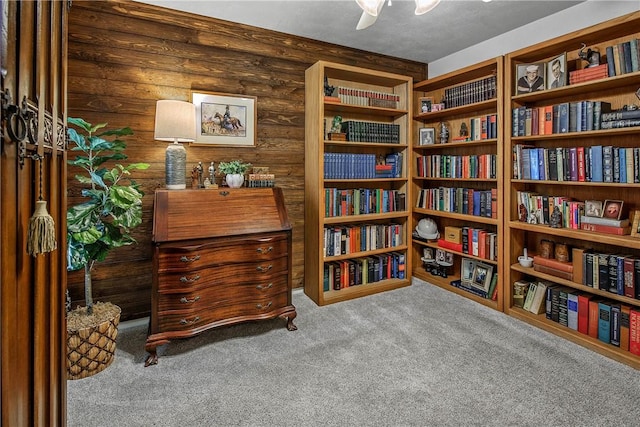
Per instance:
{"type": "Point", "coordinates": [235, 180]}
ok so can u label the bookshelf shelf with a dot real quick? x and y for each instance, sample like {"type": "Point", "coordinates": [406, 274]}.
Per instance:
{"type": "Point", "coordinates": [472, 96]}
{"type": "Point", "coordinates": [534, 230]}
{"type": "Point", "coordinates": [325, 278]}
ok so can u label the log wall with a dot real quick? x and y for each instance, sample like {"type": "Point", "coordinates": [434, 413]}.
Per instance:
{"type": "Point", "coordinates": [123, 56]}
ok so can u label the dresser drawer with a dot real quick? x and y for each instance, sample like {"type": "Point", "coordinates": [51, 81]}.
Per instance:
{"type": "Point", "coordinates": [220, 252]}
{"type": "Point", "coordinates": [241, 307]}
{"type": "Point", "coordinates": [222, 293]}
{"type": "Point", "coordinates": [225, 274]}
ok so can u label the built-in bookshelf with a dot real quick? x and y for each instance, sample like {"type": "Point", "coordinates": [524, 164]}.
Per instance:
{"type": "Point", "coordinates": [456, 180]}
{"type": "Point", "coordinates": [357, 218]}
{"type": "Point", "coordinates": [573, 147]}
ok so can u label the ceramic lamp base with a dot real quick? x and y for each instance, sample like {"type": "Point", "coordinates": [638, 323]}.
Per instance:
{"type": "Point", "coordinates": [176, 167]}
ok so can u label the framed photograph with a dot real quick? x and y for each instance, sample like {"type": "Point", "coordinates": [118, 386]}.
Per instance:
{"type": "Point", "coordinates": [482, 274]}
{"type": "Point", "coordinates": [425, 104]}
{"type": "Point", "coordinates": [467, 266]}
{"type": "Point", "coordinates": [427, 253]}
{"type": "Point", "coordinates": [557, 72]}
{"type": "Point", "coordinates": [530, 78]}
{"type": "Point", "coordinates": [612, 209]}
{"type": "Point", "coordinates": [427, 136]}
{"type": "Point", "coordinates": [224, 119]}
{"type": "Point", "coordinates": [593, 208]}
{"type": "Point", "coordinates": [635, 227]}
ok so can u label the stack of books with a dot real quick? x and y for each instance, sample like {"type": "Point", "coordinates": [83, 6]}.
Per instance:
{"type": "Point", "coordinates": [587, 74]}
{"type": "Point", "coordinates": [619, 227]}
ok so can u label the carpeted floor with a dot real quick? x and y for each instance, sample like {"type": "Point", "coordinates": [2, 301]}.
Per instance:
{"type": "Point", "coordinates": [416, 356]}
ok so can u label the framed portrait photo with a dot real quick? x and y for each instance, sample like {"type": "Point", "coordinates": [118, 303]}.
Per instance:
{"type": "Point", "coordinates": [427, 136]}
{"type": "Point", "coordinates": [530, 78]}
{"type": "Point", "coordinates": [557, 72]}
{"type": "Point", "coordinates": [425, 104]}
{"type": "Point", "coordinates": [482, 274]}
{"type": "Point", "coordinates": [635, 224]}
{"type": "Point", "coordinates": [612, 209]}
{"type": "Point", "coordinates": [593, 208]}
{"type": "Point", "coordinates": [224, 119]}
{"type": "Point", "coordinates": [467, 266]}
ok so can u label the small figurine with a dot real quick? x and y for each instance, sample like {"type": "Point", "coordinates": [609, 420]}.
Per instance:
{"type": "Point", "coordinates": [194, 177]}
{"type": "Point", "coordinates": [464, 130]}
{"type": "Point", "coordinates": [212, 173]}
{"type": "Point", "coordinates": [444, 133]}
{"type": "Point", "coordinates": [556, 218]}
{"type": "Point", "coordinates": [591, 56]}
{"type": "Point", "coordinates": [328, 90]}
{"type": "Point", "coordinates": [336, 124]}
{"type": "Point", "coordinates": [200, 175]}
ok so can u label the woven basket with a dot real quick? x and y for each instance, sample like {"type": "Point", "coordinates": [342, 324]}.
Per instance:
{"type": "Point", "coordinates": [91, 350]}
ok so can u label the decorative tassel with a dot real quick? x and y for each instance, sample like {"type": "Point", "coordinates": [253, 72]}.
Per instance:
{"type": "Point", "coordinates": [41, 237]}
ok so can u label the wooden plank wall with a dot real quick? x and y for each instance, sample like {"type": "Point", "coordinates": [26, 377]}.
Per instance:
{"type": "Point", "coordinates": [123, 56]}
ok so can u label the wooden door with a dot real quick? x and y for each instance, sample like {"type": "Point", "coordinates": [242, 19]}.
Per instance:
{"type": "Point", "coordinates": [33, 166]}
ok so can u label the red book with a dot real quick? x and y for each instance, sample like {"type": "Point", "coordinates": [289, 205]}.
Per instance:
{"type": "Point", "coordinates": [494, 203]}
{"type": "Point", "coordinates": [629, 278]}
{"type": "Point", "coordinates": [548, 119]}
{"type": "Point", "coordinates": [594, 311]}
{"type": "Point", "coordinates": [634, 332]}
{"type": "Point", "coordinates": [581, 166]}
{"type": "Point", "coordinates": [553, 263]}
{"type": "Point", "coordinates": [482, 243]}
{"type": "Point", "coordinates": [583, 313]}
{"type": "Point", "coordinates": [607, 229]}
{"type": "Point", "coordinates": [450, 245]}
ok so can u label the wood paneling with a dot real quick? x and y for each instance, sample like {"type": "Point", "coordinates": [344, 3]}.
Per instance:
{"type": "Point", "coordinates": [124, 56]}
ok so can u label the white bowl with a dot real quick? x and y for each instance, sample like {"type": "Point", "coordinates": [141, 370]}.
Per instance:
{"type": "Point", "coordinates": [525, 262]}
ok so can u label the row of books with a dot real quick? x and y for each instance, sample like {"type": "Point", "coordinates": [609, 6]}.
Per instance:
{"type": "Point", "coordinates": [467, 201]}
{"type": "Point", "coordinates": [257, 180]}
{"type": "Point", "coordinates": [615, 273]}
{"type": "Point", "coordinates": [610, 322]}
{"type": "Point", "coordinates": [492, 293]}
{"type": "Point", "coordinates": [361, 165]}
{"type": "Point", "coordinates": [483, 127]}
{"type": "Point", "coordinates": [482, 166]}
{"type": "Point", "coordinates": [587, 74]}
{"type": "Point", "coordinates": [361, 131]}
{"type": "Point", "coordinates": [366, 97]}
{"type": "Point", "coordinates": [339, 275]}
{"type": "Point", "coordinates": [623, 58]}
{"type": "Point", "coordinates": [362, 201]}
{"type": "Point", "coordinates": [565, 117]}
{"type": "Point", "coordinates": [344, 240]}
{"type": "Point", "coordinates": [471, 92]}
{"type": "Point", "coordinates": [598, 163]}
{"type": "Point", "coordinates": [478, 242]}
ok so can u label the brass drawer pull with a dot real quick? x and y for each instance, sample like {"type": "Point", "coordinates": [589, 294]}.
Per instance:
{"type": "Point", "coordinates": [186, 300]}
{"type": "Point", "coordinates": [269, 286]}
{"type": "Point", "coordinates": [263, 269]}
{"type": "Point", "coordinates": [185, 279]}
{"type": "Point", "coordinates": [187, 259]}
{"type": "Point", "coordinates": [264, 251]}
{"type": "Point", "coordinates": [261, 307]}
{"type": "Point", "coordinates": [189, 322]}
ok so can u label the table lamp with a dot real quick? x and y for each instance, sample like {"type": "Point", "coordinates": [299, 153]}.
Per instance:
{"type": "Point", "coordinates": [175, 121]}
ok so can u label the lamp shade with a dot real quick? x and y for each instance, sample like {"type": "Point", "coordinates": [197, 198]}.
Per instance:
{"type": "Point", "coordinates": [175, 121]}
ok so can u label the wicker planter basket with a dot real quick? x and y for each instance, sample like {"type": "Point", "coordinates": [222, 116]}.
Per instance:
{"type": "Point", "coordinates": [91, 348]}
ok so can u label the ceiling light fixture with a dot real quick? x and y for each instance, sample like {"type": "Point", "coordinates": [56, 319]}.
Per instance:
{"type": "Point", "coordinates": [372, 8]}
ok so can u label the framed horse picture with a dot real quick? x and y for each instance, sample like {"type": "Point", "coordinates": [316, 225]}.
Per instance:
{"type": "Point", "coordinates": [224, 119]}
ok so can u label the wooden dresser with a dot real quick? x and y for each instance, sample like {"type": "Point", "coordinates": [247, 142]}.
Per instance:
{"type": "Point", "coordinates": [221, 257]}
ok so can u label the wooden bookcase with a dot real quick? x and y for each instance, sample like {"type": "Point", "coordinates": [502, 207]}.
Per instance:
{"type": "Point", "coordinates": [618, 90]}
{"type": "Point", "coordinates": [380, 121]}
{"type": "Point", "coordinates": [471, 95]}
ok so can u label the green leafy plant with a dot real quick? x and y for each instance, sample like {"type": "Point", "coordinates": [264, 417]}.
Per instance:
{"type": "Point", "coordinates": [233, 167]}
{"type": "Point", "coordinates": [114, 201]}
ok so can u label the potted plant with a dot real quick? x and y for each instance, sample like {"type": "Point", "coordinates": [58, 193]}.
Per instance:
{"type": "Point", "coordinates": [113, 207]}
{"type": "Point", "coordinates": [234, 171]}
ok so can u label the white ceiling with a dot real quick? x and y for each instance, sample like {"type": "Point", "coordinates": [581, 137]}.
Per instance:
{"type": "Point", "coordinates": [450, 27]}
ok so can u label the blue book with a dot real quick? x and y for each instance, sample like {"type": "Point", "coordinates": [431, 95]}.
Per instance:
{"type": "Point", "coordinates": [622, 158]}
{"type": "Point", "coordinates": [541, 173]}
{"type": "Point", "coordinates": [533, 159]}
{"type": "Point", "coordinates": [604, 322]}
{"type": "Point", "coordinates": [476, 203]}
{"type": "Point", "coordinates": [611, 67]}
{"type": "Point", "coordinates": [596, 161]}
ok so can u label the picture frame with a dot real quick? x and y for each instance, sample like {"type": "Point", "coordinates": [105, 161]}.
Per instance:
{"type": "Point", "coordinates": [593, 208]}
{"type": "Point", "coordinates": [427, 253]}
{"type": "Point", "coordinates": [482, 274]}
{"type": "Point", "coordinates": [635, 224]}
{"type": "Point", "coordinates": [557, 72]}
{"type": "Point", "coordinates": [612, 209]}
{"type": "Point", "coordinates": [530, 78]}
{"type": "Point", "coordinates": [467, 266]}
{"type": "Point", "coordinates": [224, 119]}
{"type": "Point", "coordinates": [425, 104]}
{"type": "Point", "coordinates": [427, 136]}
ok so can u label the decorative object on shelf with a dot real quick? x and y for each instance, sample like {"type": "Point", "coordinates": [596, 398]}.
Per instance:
{"type": "Point", "coordinates": [556, 218]}
{"type": "Point", "coordinates": [225, 119]}
{"type": "Point", "coordinates": [328, 89]}
{"type": "Point", "coordinates": [482, 275]}
{"type": "Point", "coordinates": [95, 227]}
{"type": "Point", "coordinates": [529, 78]}
{"type": "Point", "coordinates": [234, 171]}
{"type": "Point", "coordinates": [591, 56]}
{"type": "Point", "coordinates": [425, 104]}
{"type": "Point", "coordinates": [212, 172]}
{"type": "Point", "coordinates": [612, 209]}
{"type": "Point", "coordinates": [546, 248]}
{"type": "Point", "coordinates": [525, 260]}
{"type": "Point", "coordinates": [635, 228]}
{"type": "Point", "coordinates": [427, 229]}
{"type": "Point", "coordinates": [444, 133]}
{"type": "Point", "coordinates": [556, 71]}
{"type": "Point", "coordinates": [427, 136]}
{"type": "Point", "coordinates": [561, 252]}
{"type": "Point", "coordinates": [372, 8]}
{"type": "Point", "coordinates": [593, 208]}
{"type": "Point", "coordinates": [175, 122]}
{"type": "Point", "coordinates": [336, 124]}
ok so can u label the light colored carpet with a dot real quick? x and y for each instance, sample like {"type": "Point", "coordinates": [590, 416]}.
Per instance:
{"type": "Point", "coordinates": [417, 356]}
